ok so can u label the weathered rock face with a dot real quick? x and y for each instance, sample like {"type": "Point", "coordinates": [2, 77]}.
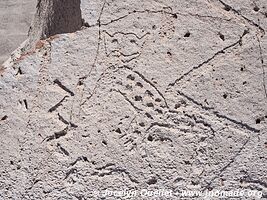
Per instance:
{"type": "Point", "coordinates": [15, 20]}
{"type": "Point", "coordinates": [152, 95]}
{"type": "Point", "coordinates": [55, 17]}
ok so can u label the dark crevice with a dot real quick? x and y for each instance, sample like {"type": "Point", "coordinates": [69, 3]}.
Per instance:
{"type": "Point", "coordinates": [127, 99]}
{"type": "Point", "coordinates": [57, 135]}
{"type": "Point", "coordinates": [217, 114]}
{"type": "Point", "coordinates": [25, 103]}
{"type": "Point", "coordinates": [200, 121]}
{"type": "Point", "coordinates": [62, 119]}
{"type": "Point", "coordinates": [54, 108]}
{"type": "Point", "coordinates": [105, 166]}
{"type": "Point", "coordinates": [19, 72]}
{"type": "Point", "coordinates": [209, 59]}
{"type": "Point", "coordinates": [128, 33]}
{"type": "Point", "coordinates": [71, 171]}
{"type": "Point", "coordinates": [63, 150]}
{"type": "Point", "coordinates": [263, 68]}
{"type": "Point", "coordinates": [243, 125]}
{"type": "Point", "coordinates": [232, 160]}
{"type": "Point", "coordinates": [230, 8]}
{"type": "Point", "coordinates": [66, 122]}
{"type": "Point", "coordinates": [81, 158]}
{"type": "Point", "coordinates": [63, 87]}
{"type": "Point", "coordinates": [160, 125]}
{"type": "Point", "coordinates": [151, 84]}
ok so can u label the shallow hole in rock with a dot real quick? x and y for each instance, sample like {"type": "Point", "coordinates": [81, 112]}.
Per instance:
{"type": "Point", "coordinates": [227, 8]}
{"type": "Point", "coordinates": [148, 115]}
{"type": "Point", "coordinates": [104, 142]}
{"type": "Point", "coordinates": [187, 34]}
{"type": "Point", "coordinates": [159, 111]}
{"type": "Point", "coordinates": [245, 82]}
{"type": "Point", "coordinates": [139, 84]}
{"type": "Point", "coordinates": [138, 98]}
{"type": "Point", "coordinates": [158, 100]}
{"type": "Point", "coordinates": [187, 162]}
{"type": "Point", "coordinates": [242, 69]}
{"type": "Point", "coordinates": [177, 106]}
{"type": "Point", "coordinates": [256, 8]}
{"type": "Point", "coordinates": [129, 87]}
{"type": "Point", "coordinates": [19, 71]}
{"type": "Point", "coordinates": [131, 77]}
{"type": "Point", "coordinates": [85, 158]}
{"type": "Point", "coordinates": [150, 138]}
{"type": "Point", "coordinates": [169, 53]}
{"type": "Point", "coordinates": [150, 105]}
{"type": "Point", "coordinates": [80, 83]}
{"type": "Point", "coordinates": [142, 124]}
{"type": "Point", "coordinates": [258, 121]}
{"type": "Point", "coordinates": [137, 131]}
{"type": "Point", "coordinates": [154, 27]}
{"type": "Point", "coordinates": [86, 24]}
{"type": "Point", "coordinates": [221, 36]}
{"type": "Point", "coordinates": [149, 93]}
{"type": "Point", "coordinates": [193, 182]}
{"type": "Point", "coordinates": [4, 118]}
{"type": "Point", "coordinates": [152, 181]}
{"type": "Point", "coordinates": [114, 40]}
{"type": "Point", "coordinates": [225, 96]}
{"type": "Point", "coordinates": [118, 130]}
{"type": "Point", "coordinates": [175, 16]}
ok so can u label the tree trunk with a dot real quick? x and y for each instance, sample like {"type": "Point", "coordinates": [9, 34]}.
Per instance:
{"type": "Point", "coordinates": [55, 17]}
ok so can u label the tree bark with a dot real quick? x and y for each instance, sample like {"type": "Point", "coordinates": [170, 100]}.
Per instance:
{"type": "Point", "coordinates": [55, 17]}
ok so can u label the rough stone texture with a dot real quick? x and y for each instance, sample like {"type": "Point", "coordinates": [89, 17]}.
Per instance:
{"type": "Point", "coordinates": [15, 20]}
{"type": "Point", "coordinates": [153, 94]}
{"type": "Point", "coordinates": [55, 17]}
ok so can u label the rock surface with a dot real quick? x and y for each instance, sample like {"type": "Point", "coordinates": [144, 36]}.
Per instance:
{"type": "Point", "coordinates": [15, 20]}
{"type": "Point", "coordinates": [151, 95]}
{"type": "Point", "coordinates": [54, 17]}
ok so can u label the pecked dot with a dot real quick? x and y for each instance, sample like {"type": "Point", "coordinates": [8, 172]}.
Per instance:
{"type": "Point", "coordinates": [256, 8]}
{"type": "Point", "coordinates": [187, 34]}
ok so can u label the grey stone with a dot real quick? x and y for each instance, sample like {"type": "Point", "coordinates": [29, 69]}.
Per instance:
{"type": "Point", "coordinates": [150, 95]}
{"type": "Point", "coordinates": [15, 20]}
